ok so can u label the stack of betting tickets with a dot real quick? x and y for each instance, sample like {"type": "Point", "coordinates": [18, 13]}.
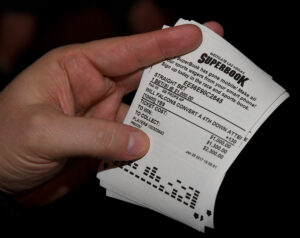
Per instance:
{"type": "Point", "coordinates": [199, 111]}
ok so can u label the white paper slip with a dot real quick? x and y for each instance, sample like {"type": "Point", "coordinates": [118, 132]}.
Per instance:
{"type": "Point", "coordinates": [199, 111]}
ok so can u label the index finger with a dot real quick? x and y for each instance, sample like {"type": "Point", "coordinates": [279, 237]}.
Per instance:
{"type": "Point", "coordinates": [122, 55]}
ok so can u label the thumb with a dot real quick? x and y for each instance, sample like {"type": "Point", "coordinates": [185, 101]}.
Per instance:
{"type": "Point", "coordinates": [79, 136]}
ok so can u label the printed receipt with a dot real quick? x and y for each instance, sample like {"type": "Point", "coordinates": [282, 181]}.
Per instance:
{"type": "Point", "coordinates": [199, 111]}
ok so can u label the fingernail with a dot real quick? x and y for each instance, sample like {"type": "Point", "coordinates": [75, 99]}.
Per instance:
{"type": "Point", "coordinates": [136, 143]}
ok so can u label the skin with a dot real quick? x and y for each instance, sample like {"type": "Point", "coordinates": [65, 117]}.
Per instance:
{"type": "Point", "coordinates": [63, 114]}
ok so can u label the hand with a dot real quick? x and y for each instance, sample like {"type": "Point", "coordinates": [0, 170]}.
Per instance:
{"type": "Point", "coordinates": [66, 109]}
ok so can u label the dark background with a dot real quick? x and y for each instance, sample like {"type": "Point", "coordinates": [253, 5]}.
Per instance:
{"type": "Point", "coordinates": [258, 194]}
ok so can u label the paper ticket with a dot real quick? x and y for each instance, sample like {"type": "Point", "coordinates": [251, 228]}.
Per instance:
{"type": "Point", "coordinates": [199, 111]}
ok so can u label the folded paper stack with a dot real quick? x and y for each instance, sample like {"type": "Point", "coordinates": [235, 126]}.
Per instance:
{"type": "Point", "coordinates": [199, 111]}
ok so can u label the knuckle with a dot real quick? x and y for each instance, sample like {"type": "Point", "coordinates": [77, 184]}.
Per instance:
{"type": "Point", "coordinates": [135, 54]}
{"type": "Point", "coordinates": [35, 130]}
{"type": "Point", "coordinates": [108, 137]}
{"type": "Point", "coordinates": [159, 47]}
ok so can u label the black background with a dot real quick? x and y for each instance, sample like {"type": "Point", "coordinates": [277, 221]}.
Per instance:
{"type": "Point", "coordinates": [258, 194]}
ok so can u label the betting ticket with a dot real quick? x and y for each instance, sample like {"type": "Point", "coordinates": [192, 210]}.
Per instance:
{"type": "Point", "coordinates": [199, 111]}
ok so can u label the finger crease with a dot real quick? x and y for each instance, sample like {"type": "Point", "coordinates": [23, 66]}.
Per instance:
{"type": "Point", "coordinates": [161, 49]}
{"type": "Point", "coordinates": [139, 60]}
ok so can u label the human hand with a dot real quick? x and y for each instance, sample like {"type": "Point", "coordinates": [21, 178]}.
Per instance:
{"type": "Point", "coordinates": [66, 109]}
